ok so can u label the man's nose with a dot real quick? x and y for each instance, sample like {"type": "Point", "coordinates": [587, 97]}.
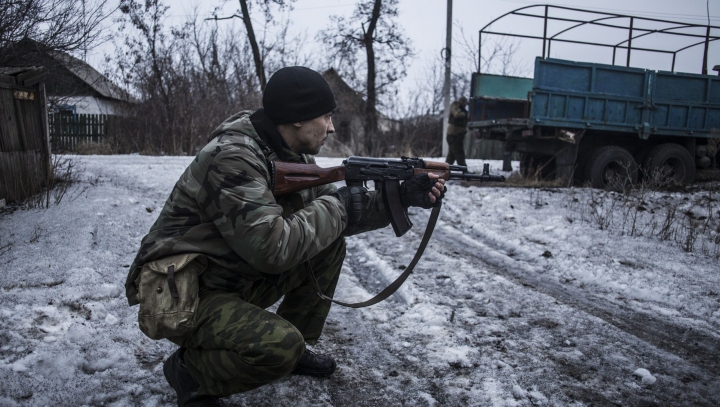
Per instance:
{"type": "Point", "coordinates": [331, 128]}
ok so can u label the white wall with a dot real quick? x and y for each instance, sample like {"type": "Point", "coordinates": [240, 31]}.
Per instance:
{"type": "Point", "coordinates": [88, 104]}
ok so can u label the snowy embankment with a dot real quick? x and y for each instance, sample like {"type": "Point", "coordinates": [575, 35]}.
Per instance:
{"type": "Point", "coordinates": [520, 299]}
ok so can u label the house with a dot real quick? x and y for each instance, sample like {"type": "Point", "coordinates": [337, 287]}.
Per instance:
{"type": "Point", "coordinates": [72, 85]}
{"type": "Point", "coordinates": [349, 115]}
{"type": "Point", "coordinates": [90, 92]}
{"type": "Point", "coordinates": [83, 103]}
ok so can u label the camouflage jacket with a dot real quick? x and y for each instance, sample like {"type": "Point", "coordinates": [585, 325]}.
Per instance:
{"type": "Point", "coordinates": [222, 207]}
{"type": "Point", "coordinates": [457, 120]}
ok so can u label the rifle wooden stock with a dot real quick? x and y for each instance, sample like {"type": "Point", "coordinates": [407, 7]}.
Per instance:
{"type": "Point", "coordinates": [294, 177]}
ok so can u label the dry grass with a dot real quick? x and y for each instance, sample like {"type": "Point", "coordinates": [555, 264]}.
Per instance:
{"type": "Point", "coordinates": [515, 180]}
{"type": "Point", "coordinates": [66, 172]}
{"type": "Point", "coordinates": [655, 208]}
{"type": "Point", "coordinates": [92, 148]}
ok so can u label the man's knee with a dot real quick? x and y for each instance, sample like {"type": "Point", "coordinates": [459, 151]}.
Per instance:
{"type": "Point", "coordinates": [277, 348]}
{"type": "Point", "coordinates": [269, 352]}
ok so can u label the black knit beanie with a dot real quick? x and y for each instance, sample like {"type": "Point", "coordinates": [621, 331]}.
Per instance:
{"type": "Point", "coordinates": [295, 94]}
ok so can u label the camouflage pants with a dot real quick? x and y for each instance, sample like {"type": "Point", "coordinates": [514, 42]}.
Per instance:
{"type": "Point", "coordinates": [456, 149]}
{"type": "Point", "coordinates": [239, 346]}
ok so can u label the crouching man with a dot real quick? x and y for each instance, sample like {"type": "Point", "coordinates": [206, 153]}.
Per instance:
{"type": "Point", "coordinates": [223, 249]}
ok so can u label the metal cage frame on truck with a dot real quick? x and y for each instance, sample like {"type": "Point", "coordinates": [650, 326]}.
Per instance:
{"type": "Point", "coordinates": [601, 104]}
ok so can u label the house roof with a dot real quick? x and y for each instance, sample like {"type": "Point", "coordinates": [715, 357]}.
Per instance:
{"type": "Point", "coordinates": [64, 70]}
{"type": "Point", "coordinates": [332, 76]}
{"type": "Point", "coordinates": [343, 90]}
{"type": "Point", "coordinates": [97, 81]}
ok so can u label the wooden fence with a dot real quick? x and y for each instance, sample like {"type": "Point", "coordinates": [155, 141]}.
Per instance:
{"type": "Point", "coordinates": [69, 131]}
{"type": "Point", "coordinates": [24, 151]}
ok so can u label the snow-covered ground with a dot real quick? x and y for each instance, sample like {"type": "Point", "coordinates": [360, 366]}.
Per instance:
{"type": "Point", "coordinates": [520, 299]}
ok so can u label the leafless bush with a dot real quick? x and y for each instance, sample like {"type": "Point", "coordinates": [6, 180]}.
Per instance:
{"type": "Point", "coordinates": [649, 208]}
{"type": "Point", "coordinates": [66, 172]}
{"type": "Point", "coordinates": [667, 225]}
{"type": "Point", "coordinates": [37, 233]}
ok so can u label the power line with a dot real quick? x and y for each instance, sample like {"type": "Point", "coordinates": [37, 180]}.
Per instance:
{"type": "Point", "coordinates": [320, 7]}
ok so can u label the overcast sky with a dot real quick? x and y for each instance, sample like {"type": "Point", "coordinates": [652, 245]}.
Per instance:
{"type": "Point", "coordinates": [424, 23]}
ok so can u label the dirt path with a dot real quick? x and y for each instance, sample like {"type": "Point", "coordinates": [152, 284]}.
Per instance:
{"type": "Point", "coordinates": [520, 340]}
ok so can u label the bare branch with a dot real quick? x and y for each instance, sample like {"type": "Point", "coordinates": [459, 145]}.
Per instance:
{"type": "Point", "coordinates": [68, 26]}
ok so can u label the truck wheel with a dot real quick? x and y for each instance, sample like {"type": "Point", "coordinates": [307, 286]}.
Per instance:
{"type": "Point", "coordinates": [611, 167]}
{"type": "Point", "coordinates": [671, 160]}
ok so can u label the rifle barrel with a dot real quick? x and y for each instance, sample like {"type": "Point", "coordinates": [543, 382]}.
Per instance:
{"type": "Point", "coordinates": [477, 177]}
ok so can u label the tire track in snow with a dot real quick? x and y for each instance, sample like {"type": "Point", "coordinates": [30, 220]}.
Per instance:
{"type": "Point", "coordinates": [362, 256]}
{"type": "Point", "coordinates": [446, 300]}
{"type": "Point", "coordinates": [696, 347]}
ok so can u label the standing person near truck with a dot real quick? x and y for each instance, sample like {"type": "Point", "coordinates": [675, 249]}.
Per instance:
{"type": "Point", "coordinates": [456, 129]}
{"type": "Point", "coordinates": [224, 248]}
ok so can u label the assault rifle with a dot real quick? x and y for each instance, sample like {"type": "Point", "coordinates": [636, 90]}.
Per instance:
{"type": "Point", "coordinates": [387, 173]}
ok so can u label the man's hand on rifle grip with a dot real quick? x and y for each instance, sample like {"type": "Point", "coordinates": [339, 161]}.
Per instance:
{"type": "Point", "coordinates": [354, 199]}
{"type": "Point", "coordinates": [421, 191]}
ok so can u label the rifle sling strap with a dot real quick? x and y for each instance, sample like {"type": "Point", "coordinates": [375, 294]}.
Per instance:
{"type": "Point", "coordinates": [389, 290]}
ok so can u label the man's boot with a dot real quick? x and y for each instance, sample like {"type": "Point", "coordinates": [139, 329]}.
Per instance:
{"type": "Point", "coordinates": [179, 378]}
{"type": "Point", "coordinates": [313, 364]}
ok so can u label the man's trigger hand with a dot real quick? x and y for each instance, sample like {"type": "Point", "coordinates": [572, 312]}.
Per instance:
{"type": "Point", "coordinates": [423, 190]}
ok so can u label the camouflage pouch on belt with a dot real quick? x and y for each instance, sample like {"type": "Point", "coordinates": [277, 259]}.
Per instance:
{"type": "Point", "coordinates": [168, 294]}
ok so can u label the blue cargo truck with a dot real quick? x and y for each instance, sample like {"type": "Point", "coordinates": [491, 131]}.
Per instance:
{"type": "Point", "coordinates": [602, 123]}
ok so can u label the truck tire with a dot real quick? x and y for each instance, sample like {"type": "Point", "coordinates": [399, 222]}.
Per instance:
{"type": "Point", "coordinates": [671, 160]}
{"type": "Point", "coordinates": [611, 167]}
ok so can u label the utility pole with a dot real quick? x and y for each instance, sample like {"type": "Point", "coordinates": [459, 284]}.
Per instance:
{"type": "Point", "coordinates": [446, 85]}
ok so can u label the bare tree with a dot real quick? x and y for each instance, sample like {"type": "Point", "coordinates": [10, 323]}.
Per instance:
{"type": "Point", "coordinates": [265, 5]}
{"type": "Point", "coordinates": [369, 38]}
{"type": "Point", "coordinates": [151, 64]}
{"type": "Point", "coordinates": [498, 55]}
{"type": "Point", "coordinates": [49, 25]}
{"type": "Point", "coordinates": [285, 48]}
{"type": "Point", "coordinates": [186, 79]}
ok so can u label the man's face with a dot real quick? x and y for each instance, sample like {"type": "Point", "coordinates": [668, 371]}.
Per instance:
{"type": "Point", "coordinates": [312, 134]}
